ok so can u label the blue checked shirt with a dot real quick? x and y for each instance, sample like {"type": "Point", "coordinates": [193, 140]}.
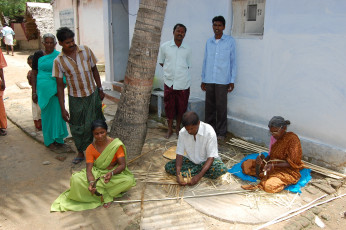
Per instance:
{"type": "Point", "coordinates": [219, 65]}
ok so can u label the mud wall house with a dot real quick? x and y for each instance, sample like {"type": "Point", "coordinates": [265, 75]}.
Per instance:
{"type": "Point", "coordinates": [38, 21]}
{"type": "Point", "coordinates": [85, 18]}
{"type": "Point", "coordinates": [291, 62]}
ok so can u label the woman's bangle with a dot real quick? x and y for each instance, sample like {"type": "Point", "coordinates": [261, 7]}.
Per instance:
{"type": "Point", "coordinates": [112, 173]}
{"type": "Point", "coordinates": [91, 182]}
{"type": "Point", "coordinates": [34, 93]}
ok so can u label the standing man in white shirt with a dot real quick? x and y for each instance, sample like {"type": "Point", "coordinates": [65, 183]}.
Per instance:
{"type": "Point", "coordinates": [8, 34]}
{"type": "Point", "coordinates": [175, 58]}
{"type": "Point", "coordinates": [199, 141]}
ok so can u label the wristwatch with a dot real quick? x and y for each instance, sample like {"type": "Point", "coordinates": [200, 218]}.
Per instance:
{"type": "Point", "coordinates": [100, 88]}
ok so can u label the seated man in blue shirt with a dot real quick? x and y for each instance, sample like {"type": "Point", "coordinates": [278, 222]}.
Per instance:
{"type": "Point", "coordinates": [175, 58]}
{"type": "Point", "coordinates": [218, 75]}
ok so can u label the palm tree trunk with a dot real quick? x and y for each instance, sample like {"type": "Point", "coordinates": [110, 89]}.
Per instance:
{"type": "Point", "coordinates": [130, 122]}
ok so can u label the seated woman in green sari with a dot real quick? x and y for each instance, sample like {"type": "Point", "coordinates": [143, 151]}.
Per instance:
{"type": "Point", "coordinates": [106, 175]}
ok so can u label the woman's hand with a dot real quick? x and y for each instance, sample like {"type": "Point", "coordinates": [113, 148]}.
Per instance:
{"type": "Point", "coordinates": [91, 189]}
{"type": "Point", "coordinates": [108, 177]}
{"type": "Point", "coordinates": [259, 159]}
{"type": "Point", "coordinates": [267, 168]}
{"type": "Point", "coordinates": [34, 98]}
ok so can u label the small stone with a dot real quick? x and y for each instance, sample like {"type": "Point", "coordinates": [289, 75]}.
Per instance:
{"type": "Point", "coordinates": [303, 221]}
{"type": "Point", "coordinates": [325, 216]}
{"type": "Point", "coordinates": [316, 210]}
{"type": "Point", "coordinates": [60, 158]}
{"type": "Point", "coordinates": [46, 162]}
{"type": "Point", "coordinates": [308, 215]}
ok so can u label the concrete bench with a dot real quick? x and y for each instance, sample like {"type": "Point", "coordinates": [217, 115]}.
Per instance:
{"type": "Point", "coordinates": [195, 104]}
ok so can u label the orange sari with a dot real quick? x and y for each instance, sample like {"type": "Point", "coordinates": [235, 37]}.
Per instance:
{"type": "Point", "coordinates": [289, 149]}
{"type": "Point", "coordinates": [3, 119]}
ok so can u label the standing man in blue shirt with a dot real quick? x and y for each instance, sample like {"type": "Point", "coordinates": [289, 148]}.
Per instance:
{"type": "Point", "coordinates": [218, 75]}
{"type": "Point", "coordinates": [175, 58]}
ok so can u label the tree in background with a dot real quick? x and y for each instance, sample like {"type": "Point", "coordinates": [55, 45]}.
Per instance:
{"type": "Point", "coordinates": [15, 9]}
{"type": "Point", "coordinates": [130, 122]}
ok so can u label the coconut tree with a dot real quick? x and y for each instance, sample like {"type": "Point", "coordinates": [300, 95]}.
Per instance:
{"type": "Point", "coordinates": [130, 122]}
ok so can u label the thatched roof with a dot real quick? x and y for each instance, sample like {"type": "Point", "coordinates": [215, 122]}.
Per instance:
{"type": "Point", "coordinates": [39, 19]}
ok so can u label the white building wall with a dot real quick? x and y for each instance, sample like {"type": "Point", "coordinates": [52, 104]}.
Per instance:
{"type": "Point", "coordinates": [90, 23]}
{"type": "Point", "coordinates": [296, 70]}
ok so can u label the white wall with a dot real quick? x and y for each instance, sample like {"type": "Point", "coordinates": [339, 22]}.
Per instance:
{"type": "Point", "coordinates": [91, 24]}
{"type": "Point", "coordinates": [297, 71]}
{"type": "Point", "coordinates": [196, 15]}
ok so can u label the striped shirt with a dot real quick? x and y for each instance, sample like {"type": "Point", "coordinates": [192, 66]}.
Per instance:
{"type": "Point", "coordinates": [79, 76]}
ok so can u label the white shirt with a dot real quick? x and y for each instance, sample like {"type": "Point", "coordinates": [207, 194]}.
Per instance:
{"type": "Point", "coordinates": [200, 150]}
{"type": "Point", "coordinates": [176, 63]}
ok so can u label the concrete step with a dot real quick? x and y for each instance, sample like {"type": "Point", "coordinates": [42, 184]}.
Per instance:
{"type": "Point", "coordinates": [112, 95]}
{"type": "Point", "coordinates": [118, 86]}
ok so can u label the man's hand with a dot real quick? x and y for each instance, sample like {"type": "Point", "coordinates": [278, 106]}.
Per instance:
{"type": "Point", "coordinates": [203, 86]}
{"type": "Point", "coordinates": [65, 115]}
{"type": "Point", "coordinates": [34, 98]}
{"type": "Point", "coordinates": [108, 177]}
{"type": "Point", "coordinates": [101, 94]}
{"type": "Point", "coordinates": [181, 181]}
{"type": "Point", "coordinates": [194, 180]}
{"type": "Point", "coordinates": [91, 189]}
{"type": "Point", "coordinates": [230, 87]}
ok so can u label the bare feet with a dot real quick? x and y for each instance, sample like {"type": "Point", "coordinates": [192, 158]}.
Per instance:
{"type": "Point", "coordinates": [168, 134]}
{"type": "Point", "coordinates": [107, 205]}
{"type": "Point", "coordinates": [249, 186]}
{"type": "Point", "coordinates": [52, 146]}
{"type": "Point", "coordinates": [177, 132]}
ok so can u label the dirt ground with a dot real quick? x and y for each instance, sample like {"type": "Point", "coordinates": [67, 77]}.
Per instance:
{"type": "Point", "coordinates": [28, 187]}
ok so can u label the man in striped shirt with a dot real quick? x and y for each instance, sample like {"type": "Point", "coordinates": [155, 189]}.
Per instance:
{"type": "Point", "coordinates": [78, 64]}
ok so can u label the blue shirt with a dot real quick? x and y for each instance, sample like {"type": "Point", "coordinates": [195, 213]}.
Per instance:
{"type": "Point", "coordinates": [219, 65]}
{"type": "Point", "coordinates": [176, 63]}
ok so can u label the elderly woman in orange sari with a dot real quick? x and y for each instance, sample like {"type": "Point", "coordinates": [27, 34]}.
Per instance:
{"type": "Point", "coordinates": [281, 167]}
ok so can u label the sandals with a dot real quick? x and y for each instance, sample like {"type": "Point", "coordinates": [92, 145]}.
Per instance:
{"type": "Point", "coordinates": [3, 132]}
{"type": "Point", "coordinates": [77, 160]}
{"type": "Point", "coordinates": [107, 205]}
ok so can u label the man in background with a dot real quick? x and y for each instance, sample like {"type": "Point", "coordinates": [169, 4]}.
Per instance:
{"type": "Point", "coordinates": [175, 58]}
{"type": "Point", "coordinates": [218, 75]}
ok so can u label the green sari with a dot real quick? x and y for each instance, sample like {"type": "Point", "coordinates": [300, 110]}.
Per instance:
{"type": "Point", "coordinates": [79, 198]}
{"type": "Point", "coordinates": [54, 127]}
